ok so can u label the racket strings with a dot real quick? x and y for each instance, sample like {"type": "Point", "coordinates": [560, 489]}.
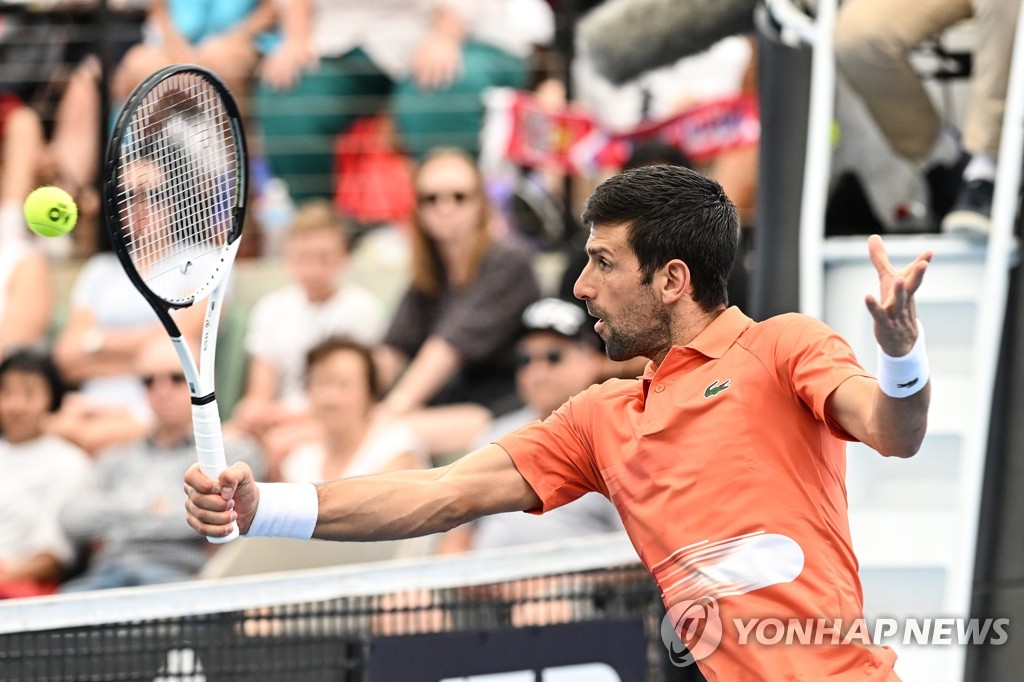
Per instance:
{"type": "Point", "coordinates": [178, 186]}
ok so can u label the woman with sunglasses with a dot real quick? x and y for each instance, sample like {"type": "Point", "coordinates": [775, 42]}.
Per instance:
{"type": "Point", "coordinates": [456, 326]}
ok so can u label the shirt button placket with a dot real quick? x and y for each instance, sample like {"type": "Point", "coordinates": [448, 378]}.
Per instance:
{"type": "Point", "coordinates": [653, 419]}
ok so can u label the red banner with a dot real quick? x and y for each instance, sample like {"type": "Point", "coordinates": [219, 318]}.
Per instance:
{"type": "Point", "coordinates": [573, 141]}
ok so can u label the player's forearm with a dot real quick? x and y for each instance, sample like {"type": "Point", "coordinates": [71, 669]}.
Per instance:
{"type": "Point", "coordinates": [413, 503]}
{"type": "Point", "coordinates": [899, 424]}
{"type": "Point", "coordinates": [903, 393]}
{"type": "Point", "coordinates": [383, 507]}
{"type": "Point", "coordinates": [392, 506]}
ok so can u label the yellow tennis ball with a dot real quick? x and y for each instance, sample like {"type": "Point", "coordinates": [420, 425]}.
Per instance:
{"type": "Point", "coordinates": [50, 211]}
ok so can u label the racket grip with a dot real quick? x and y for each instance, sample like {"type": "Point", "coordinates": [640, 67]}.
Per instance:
{"type": "Point", "coordinates": [210, 450]}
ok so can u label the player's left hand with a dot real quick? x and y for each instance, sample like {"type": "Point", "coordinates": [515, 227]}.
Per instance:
{"type": "Point", "coordinates": [893, 311]}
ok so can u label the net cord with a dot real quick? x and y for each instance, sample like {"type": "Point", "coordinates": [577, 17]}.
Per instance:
{"type": "Point", "coordinates": [228, 595]}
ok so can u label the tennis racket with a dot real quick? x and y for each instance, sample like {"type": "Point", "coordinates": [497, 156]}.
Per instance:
{"type": "Point", "coordinates": [174, 200]}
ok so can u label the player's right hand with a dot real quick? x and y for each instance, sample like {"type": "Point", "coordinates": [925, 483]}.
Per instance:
{"type": "Point", "coordinates": [212, 505]}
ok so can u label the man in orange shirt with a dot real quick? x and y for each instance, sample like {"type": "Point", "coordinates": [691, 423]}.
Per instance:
{"type": "Point", "coordinates": [725, 459]}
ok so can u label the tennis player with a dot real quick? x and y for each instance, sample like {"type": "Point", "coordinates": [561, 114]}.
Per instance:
{"type": "Point", "coordinates": [726, 459]}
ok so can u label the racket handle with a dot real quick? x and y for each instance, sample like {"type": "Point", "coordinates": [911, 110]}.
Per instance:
{"type": "Point", "coordinates": [210, 450]}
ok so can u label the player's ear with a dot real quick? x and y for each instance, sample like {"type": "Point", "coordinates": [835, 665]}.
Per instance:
{"type": "Point", "coordinates": [674, 281]}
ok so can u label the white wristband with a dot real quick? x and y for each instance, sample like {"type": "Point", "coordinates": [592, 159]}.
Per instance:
{"type": "Point", "coordinates": [904, 376]}
{"type": "Point", "coordinates": [285, 510]}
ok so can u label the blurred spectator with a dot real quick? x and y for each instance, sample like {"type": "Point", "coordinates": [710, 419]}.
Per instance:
{"type": "Point", "coordinates": [62, 151]}
{"type": "Point", "coordinates": [224, 36]}
{"type": "Point", "coordinates": [558, 356]}
{"type": "Point", "coordinates": [26, 295]}
{"type": "Point", "coordinates": [341, 380]}
{"type": "Point", "coordinates": [455, 328]}
{"type": "Point", "coordinates": [287, 323]}
{"type": "Point", "coordinates": [130, 517]}
{"type": "Point", "coordinates": [108, 323]}
{"type": "Point", "coordinates": [49, 91]}
{"type": "Point", "coordinates": [41, 473]}
{"type": "Point", "coordinates": [343, 59]}
{"type": "Point", "coordinates": [873, 40]}
{"type": "Point", "coordinates": [725, 70]}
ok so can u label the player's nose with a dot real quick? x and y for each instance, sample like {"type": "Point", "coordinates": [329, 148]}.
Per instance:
{"type": "Point", "coordinates": [582, 289]}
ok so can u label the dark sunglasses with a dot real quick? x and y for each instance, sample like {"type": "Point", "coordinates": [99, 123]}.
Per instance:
{"type": "Point", "coordinates": [434, 198]}
{"type": "Point", "coordinates": [552, 357]}
{"type": "Point", "coordinates": [177, 378]}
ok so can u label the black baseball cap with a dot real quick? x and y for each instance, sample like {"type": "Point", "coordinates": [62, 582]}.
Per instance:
{"type": "Point", "coordinates": [560, 317]}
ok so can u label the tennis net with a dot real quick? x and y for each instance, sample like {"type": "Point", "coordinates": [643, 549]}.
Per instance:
{"type": "Point", "coordinates": [579, 610]}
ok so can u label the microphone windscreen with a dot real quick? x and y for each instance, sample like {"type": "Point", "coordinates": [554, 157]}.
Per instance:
{"type": "Point", "coordinates": [625, 38]}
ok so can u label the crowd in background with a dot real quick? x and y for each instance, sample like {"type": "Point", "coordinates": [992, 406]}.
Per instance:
{"type": "Point", "coordinates": [363, 119]}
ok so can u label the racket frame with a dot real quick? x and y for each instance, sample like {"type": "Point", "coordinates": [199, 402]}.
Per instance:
{"type": "Point", "coordinates": [200, 378]}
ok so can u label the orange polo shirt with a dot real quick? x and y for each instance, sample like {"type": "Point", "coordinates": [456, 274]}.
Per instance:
{"type": "Point", "coordinates": [730, 483]}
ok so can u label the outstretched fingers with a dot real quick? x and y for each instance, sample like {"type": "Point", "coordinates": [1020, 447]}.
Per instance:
{"type": "Point", "coordinates": [889, 279]}
{"type": "Point", "coordinates": [879, 256]}
{"type": "Point", "coordinates": [894, 311]}
{"type": "Point", "coordinates": [899, 305]}
{"type": "Point", "coordinates": [914, 273]}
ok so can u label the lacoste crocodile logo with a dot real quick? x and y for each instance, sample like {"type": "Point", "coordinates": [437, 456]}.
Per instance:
{"type": "Point", "coordinates": [715, 388]}
{"type": "Point", "coordinates": [909, 384]}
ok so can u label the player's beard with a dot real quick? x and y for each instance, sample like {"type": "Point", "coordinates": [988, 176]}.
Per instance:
{"type": "Point", "coordinates": [641, 330]}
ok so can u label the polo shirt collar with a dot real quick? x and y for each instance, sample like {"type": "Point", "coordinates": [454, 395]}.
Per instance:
{"type": "Point", "coordinates": [714, 340]}
{"type": "Point", "coordinates": [723, 331]}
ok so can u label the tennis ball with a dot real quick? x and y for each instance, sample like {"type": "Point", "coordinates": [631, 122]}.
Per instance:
{"type": "Point", "coordinates": [50, 211]}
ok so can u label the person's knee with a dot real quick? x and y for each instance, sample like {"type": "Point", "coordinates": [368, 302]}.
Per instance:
{"type": "Point", "coordinates": [861, 39]}
{"type": "Point", "coordinates": [137, 63]}
{"type": "Point", "coordinates": [22, 123]}
{"type": "Point", "coordinates": [230, 56]}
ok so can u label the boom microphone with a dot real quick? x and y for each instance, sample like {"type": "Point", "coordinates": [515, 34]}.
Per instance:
{"type": "Point", "coordinates": [625, 38]}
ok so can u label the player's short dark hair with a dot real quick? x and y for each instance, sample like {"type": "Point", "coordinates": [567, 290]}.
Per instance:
{"type": "Point", "coordinates": [672, 212]}
{"type": "Point", "coordinates": [28, 361]}
{"type": "Point", "coordinates": [334, 344]}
